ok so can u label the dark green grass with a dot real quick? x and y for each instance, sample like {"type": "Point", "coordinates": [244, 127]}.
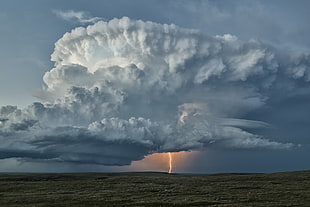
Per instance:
{"type": "Point", "coordinates": [155, 189]}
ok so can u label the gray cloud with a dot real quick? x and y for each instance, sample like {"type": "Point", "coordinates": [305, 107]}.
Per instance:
{"type": "Point", "coordinates": [123, 89]}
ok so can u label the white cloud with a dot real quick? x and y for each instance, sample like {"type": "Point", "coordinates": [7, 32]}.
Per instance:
{"type": "Point", "coordinates": [123, 89]}
{"type": "Point", "coordinates": [77, 16]}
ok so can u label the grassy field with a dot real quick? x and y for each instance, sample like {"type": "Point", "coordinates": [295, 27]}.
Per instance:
{"type": "Point", "coordinates": [155, 189]}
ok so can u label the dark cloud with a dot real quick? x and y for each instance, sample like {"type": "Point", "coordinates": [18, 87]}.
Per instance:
{"type": "Point", "coordinates": [23, 125]}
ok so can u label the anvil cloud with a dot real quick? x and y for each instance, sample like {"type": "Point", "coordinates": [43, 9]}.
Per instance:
{"type": "Point", "coordinates": [124, 89]}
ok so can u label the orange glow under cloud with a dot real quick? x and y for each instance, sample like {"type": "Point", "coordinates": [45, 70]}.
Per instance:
{"type": "Point", "coordinates": [160, 162]}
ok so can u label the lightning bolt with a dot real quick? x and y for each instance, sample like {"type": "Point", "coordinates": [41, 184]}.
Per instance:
{"type": "Point", "coordinates": [170, 162]}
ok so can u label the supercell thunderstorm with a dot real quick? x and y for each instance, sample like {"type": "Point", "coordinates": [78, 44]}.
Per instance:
{"type": "Point", "coordinates": [123, 89]}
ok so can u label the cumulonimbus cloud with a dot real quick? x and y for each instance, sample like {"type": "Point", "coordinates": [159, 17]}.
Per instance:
{"type": "Point", "coordinates": [123, 89]}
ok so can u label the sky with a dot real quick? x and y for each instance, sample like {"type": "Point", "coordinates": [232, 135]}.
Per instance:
{"type": "Point", "coordinates": [100, 85]}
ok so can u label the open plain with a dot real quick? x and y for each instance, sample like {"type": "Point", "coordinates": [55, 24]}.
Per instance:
{"type": "Point", "coordinates": [155, 189]}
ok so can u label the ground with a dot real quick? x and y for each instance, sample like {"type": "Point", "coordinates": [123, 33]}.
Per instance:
{"type": "Point", "coordinates": [155, 189]}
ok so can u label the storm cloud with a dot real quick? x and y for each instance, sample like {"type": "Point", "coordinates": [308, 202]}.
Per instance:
{"type": "Point", "coordinates": [123, 89]}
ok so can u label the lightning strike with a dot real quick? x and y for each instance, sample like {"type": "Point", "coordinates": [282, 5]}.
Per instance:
{"type": "Point", "coordinates": [170, 163]}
